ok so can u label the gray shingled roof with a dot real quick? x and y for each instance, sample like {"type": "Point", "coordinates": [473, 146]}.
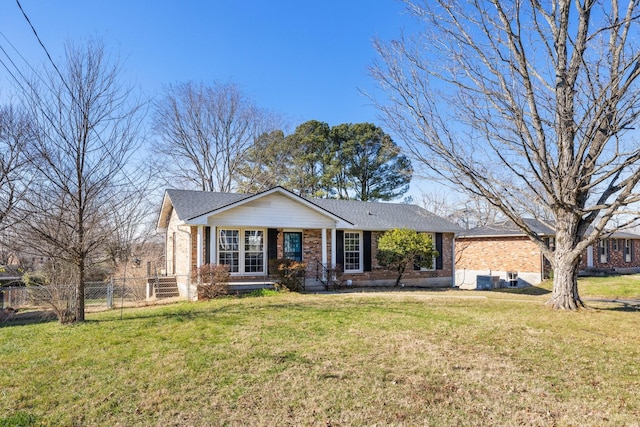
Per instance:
{"type": "Point", "coordinates": [385, 216]}
{"type": "Point", "coordinates": [190, 204]}
{"type": "Point", "coordinates": [364, 215]}
{"type": "Point", "coordinates": [508, 228]}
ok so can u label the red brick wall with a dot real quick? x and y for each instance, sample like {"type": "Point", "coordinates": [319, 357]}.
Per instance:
{"type": "Point", "coordinates": [497, 253]}
{"type": "Point", "coordinates": [312, 253]}
{"type": "Point", "coordinates": [615, 258]}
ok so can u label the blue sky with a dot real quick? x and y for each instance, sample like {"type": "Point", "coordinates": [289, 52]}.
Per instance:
{"type": "Point", "coordinates": [301, 59]}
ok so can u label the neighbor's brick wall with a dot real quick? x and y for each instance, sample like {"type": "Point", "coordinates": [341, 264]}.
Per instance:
{"type": "Point", "coordinates": [615, 258]}
{"type": "Point", "coordinates": [500, 254]}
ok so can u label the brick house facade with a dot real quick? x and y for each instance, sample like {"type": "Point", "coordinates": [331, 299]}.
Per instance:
{"type": "Point", "coordinates": [246, 231]}
{"type": "Point", "coordinates": [503, 251]}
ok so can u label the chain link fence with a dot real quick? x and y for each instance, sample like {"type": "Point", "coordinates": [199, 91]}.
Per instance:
{"type": "Point", "coordinates": [111, 293]}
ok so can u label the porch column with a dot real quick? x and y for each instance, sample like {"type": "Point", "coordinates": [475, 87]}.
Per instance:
{"type": "Point", "coordinates": [199, 246]}
{"type": "Point", "coordinates": [324, 252]}
{"type": "Point", "coordinates": [333, 248]}
{"type": "Point", "coordinates": [213, 245]}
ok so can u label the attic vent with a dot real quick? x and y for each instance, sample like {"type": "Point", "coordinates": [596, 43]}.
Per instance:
{"type": "Point", "coordinates": [369, 213]}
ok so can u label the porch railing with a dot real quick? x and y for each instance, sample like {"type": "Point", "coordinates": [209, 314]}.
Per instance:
{"type": "Point", "coordinates": [325, 275]}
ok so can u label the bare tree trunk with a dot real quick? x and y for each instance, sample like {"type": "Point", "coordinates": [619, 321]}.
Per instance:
{"type": "Point", "coordinates": [79, 317]}
{"type": "Point", "coordinates": [565, 282]}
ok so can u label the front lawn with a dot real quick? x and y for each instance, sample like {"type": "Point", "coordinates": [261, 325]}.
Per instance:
{"type": "Point", "coordinates": [414, 358]}
{"type": "Point", "coordinates": [609, 287]}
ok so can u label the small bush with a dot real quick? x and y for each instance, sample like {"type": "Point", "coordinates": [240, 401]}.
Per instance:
{"type": "Point", "coordinates": [288, 273]}
{"type": "Point", "coordinates": [213, 281]}
{"type": "Point", "coordinates": [60, 297]}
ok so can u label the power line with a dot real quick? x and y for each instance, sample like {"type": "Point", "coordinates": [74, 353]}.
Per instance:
{"type": "Point", "coordinates": [42, 45]}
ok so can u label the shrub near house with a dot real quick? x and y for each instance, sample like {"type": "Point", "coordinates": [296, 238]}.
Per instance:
{"type": "Point", "coordinates": [400, 249]}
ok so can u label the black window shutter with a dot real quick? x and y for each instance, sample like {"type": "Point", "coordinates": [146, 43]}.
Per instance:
{"type": "Point", "coordinates": [340, 247]}
{"type": "Point", "coordinates": [207, 245]}
{"type": "Point", "coordinates": [631, 243]}
{"type": "Point", "coordinates": [366, 250]}
{"type": "Point", "coordinates": [439, 258]}
{"type": "Point", "coordinates": [272, 244]}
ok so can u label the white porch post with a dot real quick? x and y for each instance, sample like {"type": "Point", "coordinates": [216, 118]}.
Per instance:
{"type": "Point", "coordinates": [333, 248]}
{"type": "Point", "coordinates": [200, 239]}
{"type": "Point", "coordinates": [213, 245]}
{"type": "Point", "coordinates": [324, 253]}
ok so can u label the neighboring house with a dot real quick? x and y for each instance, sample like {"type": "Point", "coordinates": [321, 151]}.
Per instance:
{"type": "Point", "coordinates": [505, 252]}
{"type": "Point", "coordinates": [245, 231]}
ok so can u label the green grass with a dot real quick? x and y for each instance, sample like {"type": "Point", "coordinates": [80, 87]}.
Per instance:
{"type": "Point", "coordinates": [414, 358]}
{"type": "Point", "coordinates": [625, 286]}
{"type": "Point", "coordinates": [610, 287]}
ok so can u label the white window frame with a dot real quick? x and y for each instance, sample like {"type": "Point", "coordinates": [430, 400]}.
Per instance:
{"type": "Point", "coordinates": [360, 252]}
{"type": "Point", "coordinates": [433, 261]}
{"type": "Point", "coordinates": [551, 243]}
{"type": "Point", "coordinates": [242, 250]}
{"type": "Point", "coordinates": [603, 251]}
{"type": "Point", "coordinates": [512, 278]}
{"type": "Point", "coordinates": [627, 250]}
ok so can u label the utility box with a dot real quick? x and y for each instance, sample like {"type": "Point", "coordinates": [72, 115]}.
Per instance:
{"type": "Point", "coordinates": [487, 282]}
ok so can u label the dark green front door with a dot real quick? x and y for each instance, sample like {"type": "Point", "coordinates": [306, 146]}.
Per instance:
{"type": "Point", "coordinates": [293, 245]}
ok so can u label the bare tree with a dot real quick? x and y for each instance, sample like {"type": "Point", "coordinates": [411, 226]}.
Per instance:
{"type": "Point", "coordinates": [15, 133]}
{"type": "Point", "coordinates": [205, 132]}
{"type": "Point", "coordinates": [87, 131]}
{"type": "Point", "coordinates": [527, 104]}
{"type": "Point", "coordinates": [468, 212]}
{"type": "Point", "coordinates": [132, 223]}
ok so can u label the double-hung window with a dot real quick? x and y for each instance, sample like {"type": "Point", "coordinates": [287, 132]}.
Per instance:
{"type": "Point", "coordinates": [242, 250]}
{"type": "Point", "coordinates": [603, 251]}
{"type": "Point", "coordinates": [433, 260]}
{"type": "Point", "coordinates": [627, 250]}
{"type": "Point", "coordinates": [253, 251]}
{"type": "Point", "coordinates": [352, 251]}
{"type": "Point", "coordinates": [229, 249]}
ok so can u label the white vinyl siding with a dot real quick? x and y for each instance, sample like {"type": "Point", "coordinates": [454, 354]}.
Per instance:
{"type": "Point", "coordinates": [273, 211]}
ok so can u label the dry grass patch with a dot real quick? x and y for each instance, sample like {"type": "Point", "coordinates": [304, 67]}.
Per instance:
{"type": "Point", "coordinates": [402, 359]}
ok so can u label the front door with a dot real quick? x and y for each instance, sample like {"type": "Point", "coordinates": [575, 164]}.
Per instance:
{"type": "Point", "coordinates": [293, 245]}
